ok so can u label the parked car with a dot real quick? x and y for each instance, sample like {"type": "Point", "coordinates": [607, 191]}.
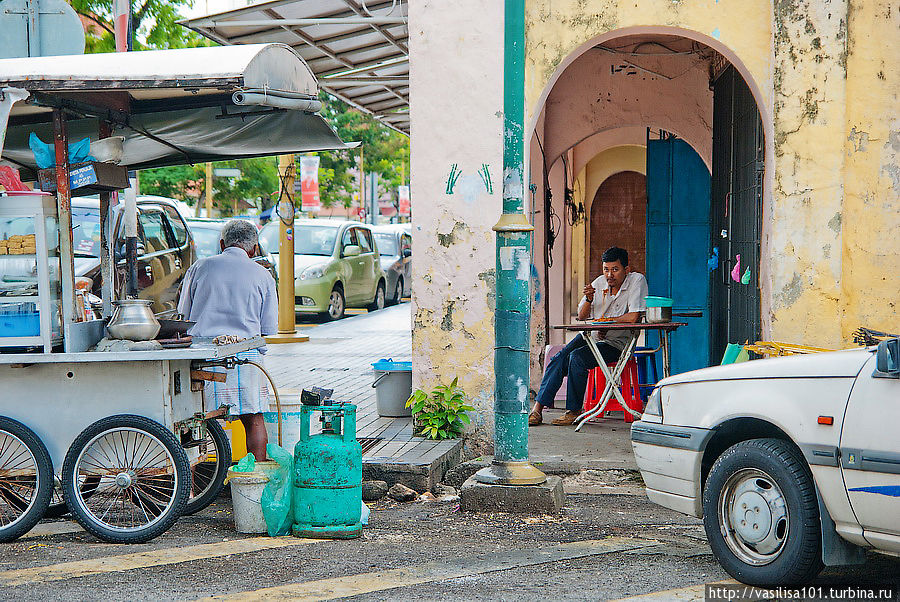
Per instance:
{"type": "Point", "coordinates": [335, 266]}
{"type": "Point", "coordinates": [793, 463]}
{"type": "Point", "coordinates": [165, 250]}
{"type": "Point", "coordinates": [395, 249]}
{"type": "Point", "coordinates": [207, 234]}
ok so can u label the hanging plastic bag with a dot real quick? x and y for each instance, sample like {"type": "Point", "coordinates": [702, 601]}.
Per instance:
{"type": "Point", "coordinates": [276, 497]}
{"type": "Point", "coordinates": [45, 154]}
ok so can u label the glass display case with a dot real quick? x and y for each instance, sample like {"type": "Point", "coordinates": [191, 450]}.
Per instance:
{"type": "Point", "coordinates": [30, 309]}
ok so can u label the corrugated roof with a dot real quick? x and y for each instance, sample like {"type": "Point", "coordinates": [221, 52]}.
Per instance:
{"type": "Point", "coordinates": [357, 49]}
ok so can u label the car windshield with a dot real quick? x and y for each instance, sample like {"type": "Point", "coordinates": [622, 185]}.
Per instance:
{"type": "Point", "coordinates": [308, 239]}
{"type": "Point", "coordinates": [86, 232]}
{"type": "Point", "coordinates": [207, 240]}
{"type": "Point", "coordinates": [386, 243]}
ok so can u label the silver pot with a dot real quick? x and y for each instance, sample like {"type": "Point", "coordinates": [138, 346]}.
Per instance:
{"type": "Point", "coordinates": [656, 315]}
{"type": "Point", "coordinates": [133, 320]}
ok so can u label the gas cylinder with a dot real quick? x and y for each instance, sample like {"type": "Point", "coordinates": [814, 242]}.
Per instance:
{"type": "Point", "coordinates": [328, 475]}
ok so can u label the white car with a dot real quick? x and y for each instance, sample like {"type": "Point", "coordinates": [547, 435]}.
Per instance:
{"type": "Point", "coordinates": [793, 463]}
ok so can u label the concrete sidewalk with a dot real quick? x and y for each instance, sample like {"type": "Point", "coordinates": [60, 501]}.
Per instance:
{"type": "Point", "coordinates": [339, 356]}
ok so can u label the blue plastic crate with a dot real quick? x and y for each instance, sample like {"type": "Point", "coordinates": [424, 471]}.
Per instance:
{"type": "Point", "coordinates": [20, 325]}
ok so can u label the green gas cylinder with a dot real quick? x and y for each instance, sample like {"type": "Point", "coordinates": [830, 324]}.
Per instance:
{"type": "Point", "coordinates": [328, 475]}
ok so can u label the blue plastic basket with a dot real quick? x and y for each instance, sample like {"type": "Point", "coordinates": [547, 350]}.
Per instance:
{"type": "Point", "coordinates": [20, 325]}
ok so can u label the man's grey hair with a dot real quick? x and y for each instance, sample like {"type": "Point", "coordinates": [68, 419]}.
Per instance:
{"type": "Point", "coordinates": [240, 233]}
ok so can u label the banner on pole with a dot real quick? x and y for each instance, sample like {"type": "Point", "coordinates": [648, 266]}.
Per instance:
{"type": "Point", "coordinates": [309, 184]}
{"type": "Point", "coordinates": [403, 204]}
{"type": "Point", "coordinates": [121, 25]}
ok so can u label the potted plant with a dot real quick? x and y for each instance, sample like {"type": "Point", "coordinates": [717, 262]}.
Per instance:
{"type": "Point", "coordinates": [439, 413]}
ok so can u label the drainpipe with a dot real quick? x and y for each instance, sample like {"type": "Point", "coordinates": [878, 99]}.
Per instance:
{"type": "Point", "coordinates": [512, 321]}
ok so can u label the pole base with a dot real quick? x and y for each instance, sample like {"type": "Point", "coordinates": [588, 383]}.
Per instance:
{"type": "Point", "coordinates": [286, 337]}
{"type": "Point", "coordinates": [520, 472]}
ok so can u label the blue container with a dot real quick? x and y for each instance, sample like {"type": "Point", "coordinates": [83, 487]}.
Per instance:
{"type": "Point", "coordinates": [20, 325]}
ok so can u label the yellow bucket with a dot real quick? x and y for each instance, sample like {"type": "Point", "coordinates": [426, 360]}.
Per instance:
{"type": "Point", "coordinates": [238, 436]}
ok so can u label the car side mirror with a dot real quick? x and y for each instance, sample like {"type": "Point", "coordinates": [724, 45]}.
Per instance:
{"type": "Point", "coordinates": [887, 359]}
{"type": "Point", "coordinates": [351, 250]}
{"type": "Point", "coordinates": [120, 251]}
{"type": "Point", "coordinates": [407, 252]}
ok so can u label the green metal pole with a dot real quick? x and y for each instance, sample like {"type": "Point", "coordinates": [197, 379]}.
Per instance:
{"type": "Point", "coordinates": [512, 322]}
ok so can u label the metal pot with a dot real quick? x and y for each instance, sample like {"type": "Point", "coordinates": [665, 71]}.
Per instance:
{"type": "Point", "coordinates": [656, 315]}
{"type": "Point", "coordinates": [133, 320]}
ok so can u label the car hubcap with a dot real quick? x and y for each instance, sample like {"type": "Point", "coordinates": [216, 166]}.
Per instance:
{"type": "Point", "coordinates": [753, 515]}
{"type": "Point", "coordinates": [336, 305]}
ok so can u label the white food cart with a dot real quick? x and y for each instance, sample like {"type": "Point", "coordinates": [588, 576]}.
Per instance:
{"type": "Point", "coordinates": [124, 435]}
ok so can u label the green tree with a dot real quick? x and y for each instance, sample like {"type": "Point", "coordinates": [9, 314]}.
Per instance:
{"type": "Point", "coordinates": [154, 23]}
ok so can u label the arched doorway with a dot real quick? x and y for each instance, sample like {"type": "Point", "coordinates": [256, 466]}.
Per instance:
{"type": "Point", "coordinates": [619, 219]}
{"type": "Point", "coordinates": [689, 93]}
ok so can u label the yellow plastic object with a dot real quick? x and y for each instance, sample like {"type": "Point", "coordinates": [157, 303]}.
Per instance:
{"type": "Point", "coordinates": [238, 437]}
{"type": "Point", "coordinates": [776, 349]}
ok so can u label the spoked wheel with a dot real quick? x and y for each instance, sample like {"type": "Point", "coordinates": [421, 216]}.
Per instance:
{"type": "Point", "coordinates": [26, 479]}
{"type": "Point", "coordinates": [58, 506]}
{"type": "Point", "coordinates": [209, 461]}
{"type": "Point", "coordinates": [143, 479]}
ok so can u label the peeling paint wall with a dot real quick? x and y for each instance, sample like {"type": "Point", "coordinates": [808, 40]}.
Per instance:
{"type": "Point", "coordinates": [457, 161]}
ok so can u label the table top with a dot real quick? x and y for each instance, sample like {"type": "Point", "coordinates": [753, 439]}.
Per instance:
{"type": "Point", "coordinates": [604, 326]}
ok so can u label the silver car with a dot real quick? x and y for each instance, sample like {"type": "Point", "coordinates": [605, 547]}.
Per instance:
{"type": "Point", "coordinates": [395, 249]}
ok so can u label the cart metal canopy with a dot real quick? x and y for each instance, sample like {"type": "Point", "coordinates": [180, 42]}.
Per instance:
{"type": "Point", "coordinates": [358, 49]}
{"type": "Point", "coordinates": [172, 106]}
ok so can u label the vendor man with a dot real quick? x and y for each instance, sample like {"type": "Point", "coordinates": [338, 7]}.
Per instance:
{"type": "Point", "coordinates": [230, 294]}
{"type": "Point", "coordinates": [617, 295]}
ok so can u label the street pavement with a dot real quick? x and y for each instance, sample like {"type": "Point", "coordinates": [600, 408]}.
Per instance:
{"type": "Point", "coordinates": [608, 542]}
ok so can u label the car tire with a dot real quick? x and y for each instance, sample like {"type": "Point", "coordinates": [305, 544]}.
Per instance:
{"type": "Point", "coordinates": [761, 514]}
{"type": "Point", "coordinates": [336, 304]}
{"type": "Point", "coordinates": [398, 292]}
{"type": "Point", "coordinates": [378, 302]}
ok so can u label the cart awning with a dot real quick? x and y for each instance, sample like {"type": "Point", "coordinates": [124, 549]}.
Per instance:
{"type": "Point", "coordinates": [173, 106]}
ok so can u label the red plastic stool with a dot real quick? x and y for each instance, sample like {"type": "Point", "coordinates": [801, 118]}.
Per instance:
{"type": "Point", "coordinates": [630, 391]}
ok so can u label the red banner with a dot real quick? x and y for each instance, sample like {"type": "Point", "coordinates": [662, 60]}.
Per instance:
{"type": "Point", "coordinates": [403, 204]}
{"type": "Point", "coordinates": [309, 184]}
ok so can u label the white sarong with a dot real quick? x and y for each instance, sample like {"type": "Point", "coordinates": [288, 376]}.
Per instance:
{"type": "Point", "coordinates": [245, 390]}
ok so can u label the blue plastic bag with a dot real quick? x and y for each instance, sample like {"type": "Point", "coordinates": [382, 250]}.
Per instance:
{"type": "Point", "coordinates": [45, 154]}
{"type": "Point", "coordinates": [276, 497]}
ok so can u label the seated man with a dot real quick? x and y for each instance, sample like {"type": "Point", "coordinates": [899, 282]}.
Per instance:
{"type": "Point", "coordinates": [619, 295]}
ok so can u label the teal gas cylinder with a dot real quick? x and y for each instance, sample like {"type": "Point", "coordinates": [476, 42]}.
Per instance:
{"type": "Point", "coordinates": [328, 475]}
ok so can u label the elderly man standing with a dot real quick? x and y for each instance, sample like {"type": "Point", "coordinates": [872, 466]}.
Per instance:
{"type": "Point", "coordinates": [230, 294]}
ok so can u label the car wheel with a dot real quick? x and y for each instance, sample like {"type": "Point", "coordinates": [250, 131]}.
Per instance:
{"type": "Point", "coordinates": [398, 292]}
{"type": "Point", "coordinates": [336, 304]}
{"type": "Point", "coordinates": [761, 514]}
{"type": "Point", "coordinates": [378, 302]}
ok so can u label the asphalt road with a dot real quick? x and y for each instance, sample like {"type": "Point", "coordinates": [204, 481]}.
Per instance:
{"type": "Point", "coordinates": [601, 547]}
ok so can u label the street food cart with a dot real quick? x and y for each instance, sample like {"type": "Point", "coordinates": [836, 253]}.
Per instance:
{"type": "Point", "coordinates": [126, 434]}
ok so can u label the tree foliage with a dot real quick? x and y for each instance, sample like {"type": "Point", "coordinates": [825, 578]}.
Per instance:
{"type": "Point", "coordinates": [385, 151]}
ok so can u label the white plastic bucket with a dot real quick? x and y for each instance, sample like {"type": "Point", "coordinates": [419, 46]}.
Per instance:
{"type": "Point", "coordinates": [290, 426]}
{"type": "Point", "coordinates": [246, 491]}
{"type": "Point", "coordinates": [393, 386]}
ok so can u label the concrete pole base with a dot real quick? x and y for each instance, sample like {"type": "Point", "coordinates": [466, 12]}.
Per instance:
{"type": "Point", "coordinates": [546, 498]}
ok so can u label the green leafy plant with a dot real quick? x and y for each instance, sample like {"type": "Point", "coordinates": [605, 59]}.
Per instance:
{"type": "Point", "coordinates": [440, 413]}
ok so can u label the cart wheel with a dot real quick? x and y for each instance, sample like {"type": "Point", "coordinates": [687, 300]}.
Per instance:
{"type": "Point", "coordinates": [26, 479]}
{"type": "Point", "coordinates": [58, 506]}
{"type": "Point", "coordinates": [208, 468]}
{"type": "Point", "coordinates": [144, 479]}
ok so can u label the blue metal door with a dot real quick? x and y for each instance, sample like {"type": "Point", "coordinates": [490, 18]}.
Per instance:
{"type": "Point", "coordinates": [678, 205]}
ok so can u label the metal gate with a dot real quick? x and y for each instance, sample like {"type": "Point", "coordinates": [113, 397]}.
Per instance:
{"type": "Point", "coordinates": [738, 163]}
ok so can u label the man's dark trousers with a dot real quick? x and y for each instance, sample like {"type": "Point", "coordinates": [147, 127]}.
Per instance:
{"type": "Point", "coordinates": [574, 360]}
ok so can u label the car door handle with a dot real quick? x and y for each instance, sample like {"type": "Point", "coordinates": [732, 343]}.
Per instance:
{"type": "Point", "coordinates": [149, 271]}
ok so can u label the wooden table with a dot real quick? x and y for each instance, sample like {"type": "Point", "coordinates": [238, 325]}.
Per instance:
{"type": "Point", "coordinates": [613, 378]}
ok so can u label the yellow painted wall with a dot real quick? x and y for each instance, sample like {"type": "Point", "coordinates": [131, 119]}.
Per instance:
{"type": "Point", "coordinates": [824, 76]}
